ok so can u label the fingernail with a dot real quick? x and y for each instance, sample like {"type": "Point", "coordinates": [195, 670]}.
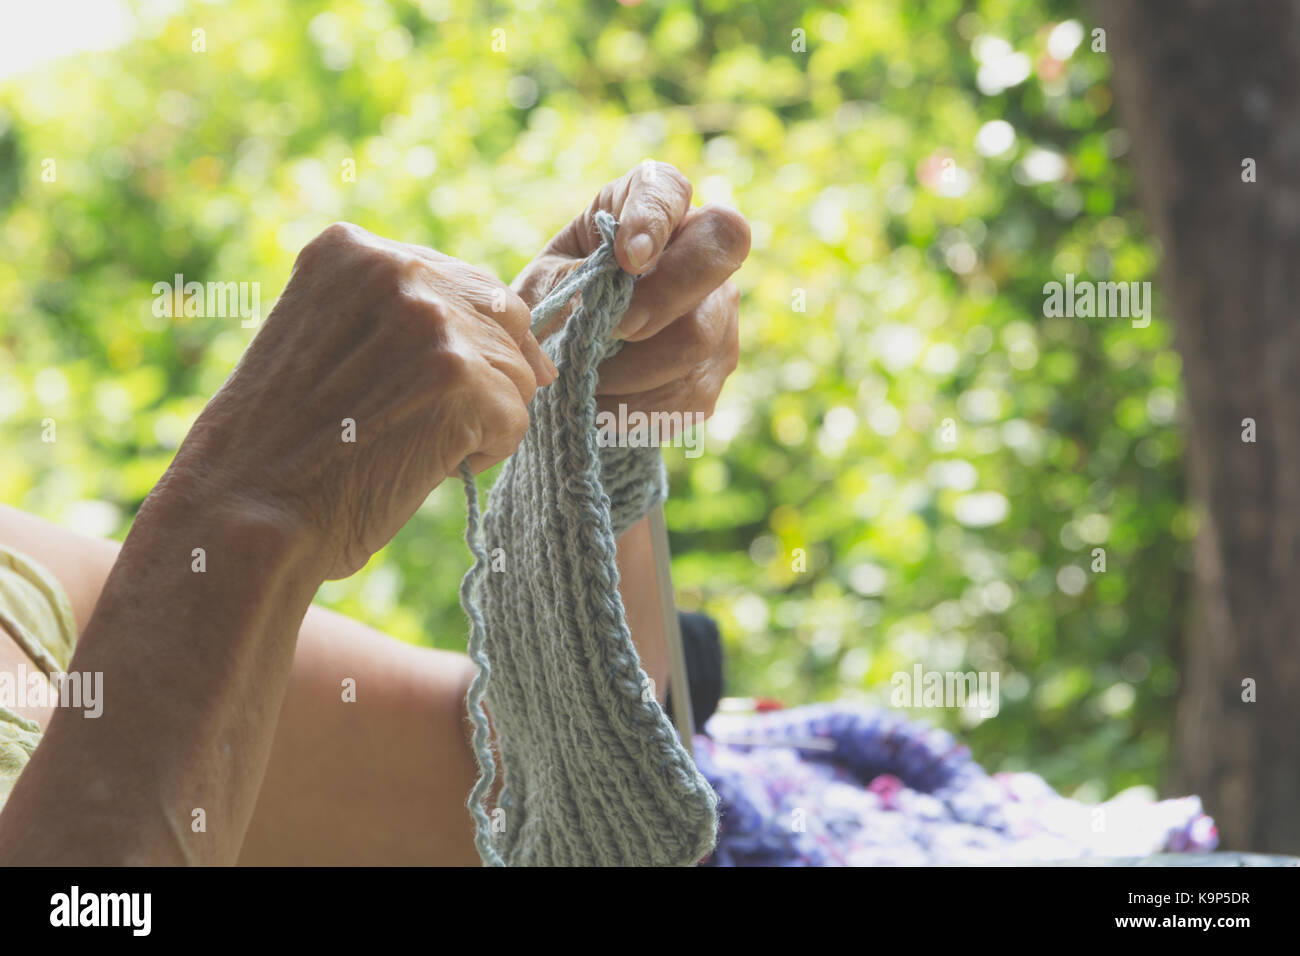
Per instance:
{"type": "Point", "coordinates": [639, 250]}
{"type": "Point", "coordinates": [555, 372]}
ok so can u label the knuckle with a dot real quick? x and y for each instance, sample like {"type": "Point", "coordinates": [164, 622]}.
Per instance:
{"type": "Point", "coordinates": [701, 394]}
{"type": "Point", "coordinates": [731, 355]}
{"type": "Point", "coordinates": [659, 207]}
{"type": "Point", "coordinates": [405, 272]}
{"type": "Point", "coordinates": [451, 369]}
{"type": "Point", "coordinates": [342, 231]}
{"type": "Point", "coordinates": [427, 316]}
{"type": "Point", "coordinates": [508, 423]}
{"type": "Point", "coordinates": [730, 232]}
{"type": "Point", "coordinates": [519, 422]}
{"type": "Point", "coordinates": [698, 338]}
{"type": "Point", "coordinates": [733, 347]}
{"type": "Point", "coordinates": [731, 297]}
{"type": "Point", "coordinates": [407, 280]}
{"type": "Point", "coordinates": [674, 180]}
{"type": "Point", "coordinates": [336, 235]}
{"type": "Point", "coordinates": [499, 299]}
{"type": "Point", "coordinates": [342, 247]}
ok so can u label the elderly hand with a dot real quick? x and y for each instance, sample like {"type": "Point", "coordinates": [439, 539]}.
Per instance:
{"type": "Point", "coordinates": [380, 368]}
{"type": "Point", "coordinates": [682, 325]}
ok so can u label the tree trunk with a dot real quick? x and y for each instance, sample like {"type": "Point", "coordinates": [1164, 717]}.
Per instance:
{"type": "Point", "coordinates": [1203, 85]}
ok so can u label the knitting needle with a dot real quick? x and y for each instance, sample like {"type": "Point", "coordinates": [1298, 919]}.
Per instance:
{"type": "Point", "coordinates": [672, 631]}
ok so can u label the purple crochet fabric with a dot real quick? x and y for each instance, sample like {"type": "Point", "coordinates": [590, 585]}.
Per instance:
{"type": "Point", "coordinates": [846, 785]}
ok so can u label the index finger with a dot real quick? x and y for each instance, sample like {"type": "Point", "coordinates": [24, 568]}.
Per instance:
{"type": "Point", "coordinates": [658, 197]}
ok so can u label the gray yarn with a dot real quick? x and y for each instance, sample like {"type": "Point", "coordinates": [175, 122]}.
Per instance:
{"type": "Point", "coordinates": [594, 772]}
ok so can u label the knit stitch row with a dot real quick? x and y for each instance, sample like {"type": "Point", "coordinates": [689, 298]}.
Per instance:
{"type": "Point", "coordinates": [594, 772]}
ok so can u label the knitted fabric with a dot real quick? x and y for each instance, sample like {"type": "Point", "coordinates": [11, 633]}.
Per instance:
{"type": "Point", "coordinates": [871, 787]}
{"type": "Point", "coordinates": [594, 773]}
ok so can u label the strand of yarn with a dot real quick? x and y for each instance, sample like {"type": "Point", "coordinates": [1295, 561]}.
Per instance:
{"type": "Point", "coordinates": [469, 587]}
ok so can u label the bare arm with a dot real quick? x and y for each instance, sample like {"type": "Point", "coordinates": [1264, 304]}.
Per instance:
{"type": "Point", "coordinates": [195, 648]}
{"type": "Point", "coordinates": [194, 666]}
{"type": "Point", "coordinates": [382, 780]}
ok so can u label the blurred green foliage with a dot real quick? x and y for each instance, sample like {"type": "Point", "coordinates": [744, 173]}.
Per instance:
{"type": "Point", "coordinates": [913, 176]}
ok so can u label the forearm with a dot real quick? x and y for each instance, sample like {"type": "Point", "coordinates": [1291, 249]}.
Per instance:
{"type": "Point", "coordinates": [380, 776]}
{"type": "Point", "coordinates": [194, 665]}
